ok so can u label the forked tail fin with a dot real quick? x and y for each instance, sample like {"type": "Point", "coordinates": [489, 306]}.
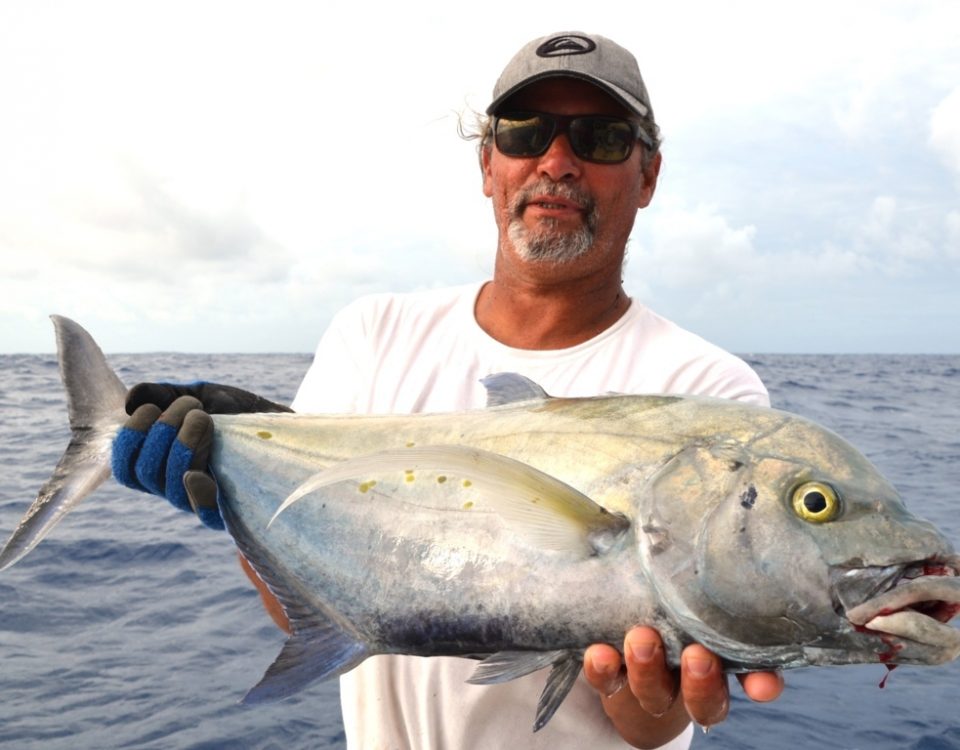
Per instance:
{"type": "Point", "coordinates": [95, 401]}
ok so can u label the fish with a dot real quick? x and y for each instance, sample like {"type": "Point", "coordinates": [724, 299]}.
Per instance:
{"type": "Point", "coordinates": [519, 534]}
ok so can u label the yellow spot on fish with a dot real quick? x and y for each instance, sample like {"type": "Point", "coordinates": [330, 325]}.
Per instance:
{"type": "Point", "coordinates": [467, 483]}
{"type": "Point", "coordinates": [468, 505]}
{"type": "Point", "coordinates": [367, 486]}
{"type": "Point", "coordinates": [411, 444]}
{"type": "Point", "coordinates": [409, 475]}
{"type": "Point", "coordinates": [264, 434]}
{"type": "Point", "coordinates": [441, 479]}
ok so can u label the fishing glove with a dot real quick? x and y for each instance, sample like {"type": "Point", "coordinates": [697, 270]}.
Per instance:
{"type": "Point", "coordinates": [164, 447]}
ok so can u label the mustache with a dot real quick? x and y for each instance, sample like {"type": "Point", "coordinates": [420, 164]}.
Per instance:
{"type": "Point", "coordinates": [548, 188]}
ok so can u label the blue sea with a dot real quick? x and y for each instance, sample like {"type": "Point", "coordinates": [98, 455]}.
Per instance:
{"type": "Point", "coordinates": [132, 627]}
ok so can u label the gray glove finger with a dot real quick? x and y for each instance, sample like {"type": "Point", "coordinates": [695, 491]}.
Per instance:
{"type": "Point", "coordinates": [196, 434]}
{"type": "Point", "coordinates": [201, 490]}
{"type": "Point", "coordinates": [175, 413]}
{"type": "Point", "coordinates": [143, 418]}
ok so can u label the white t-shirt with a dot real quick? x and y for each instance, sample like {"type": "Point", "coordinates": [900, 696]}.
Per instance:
{"type": "Point", "coordinates": [424, 352]}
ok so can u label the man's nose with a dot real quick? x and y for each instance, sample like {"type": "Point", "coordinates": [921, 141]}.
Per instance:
{"type": "Point", "coordinates": [558, 162]}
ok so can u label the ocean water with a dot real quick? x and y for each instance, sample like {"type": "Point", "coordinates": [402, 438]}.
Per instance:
{"type": "Point", "coordinates": [132, 627]}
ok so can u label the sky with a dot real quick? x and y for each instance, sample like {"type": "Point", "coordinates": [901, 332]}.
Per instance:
{"type": "Point", "coordinates": [222, 176]}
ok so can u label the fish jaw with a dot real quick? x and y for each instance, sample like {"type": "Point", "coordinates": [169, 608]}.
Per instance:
{"type": "Point", "coordinates": [911, 614]}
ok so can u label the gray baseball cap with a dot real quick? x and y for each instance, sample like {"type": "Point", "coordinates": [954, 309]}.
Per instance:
{"type": "Point", "coordinates": [573, 54]}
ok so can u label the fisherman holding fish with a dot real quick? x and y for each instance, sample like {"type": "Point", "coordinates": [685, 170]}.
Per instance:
{"type": "Point", "coordinates": [569, 151]}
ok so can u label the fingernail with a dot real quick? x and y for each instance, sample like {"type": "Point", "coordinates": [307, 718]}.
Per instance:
{"type": "Point", "coordinates": [605, 668]}
{"type": "Point", "coordinates": [642, 652]}
{"type": "Point", "coordinates": [699, 667]}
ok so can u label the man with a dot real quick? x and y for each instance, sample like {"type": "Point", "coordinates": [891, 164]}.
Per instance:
{"type": "Point", "coordinates": [569, 154]}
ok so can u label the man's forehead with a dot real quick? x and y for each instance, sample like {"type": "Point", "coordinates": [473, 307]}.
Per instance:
{"type": "Point", "coordinates": [559, 93]}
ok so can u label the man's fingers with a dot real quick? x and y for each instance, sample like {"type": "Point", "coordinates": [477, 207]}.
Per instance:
{"type": "Point", "coordinates": [160, 394]}
{"type": "Point", "coordinates": [201, 491]}
{"type": "Point", "coordinates": [651, 681]}
{"type": "Point", "coordinates": [196, 435]}
{"type": "Point", "coordinates": [602, 668]}
{"type": "Point", "coordinates": [762, 686]}
{"type": "Point", "coordinates": [143, 418]}
{"type": "Point", "coordinates": [128, 442]}
{"type": "Point", "coordinates": [151, 463]}
{"type": "Point", "coordinates": [703, 686]}
{"type": "Point", "coordinates": [175, 413]}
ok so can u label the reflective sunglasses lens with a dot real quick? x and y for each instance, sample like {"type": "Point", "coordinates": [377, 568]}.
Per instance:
{"type": "Point", "coordinates": [602, 139]}
{"type": "Point", "coordinates": [523, 135]}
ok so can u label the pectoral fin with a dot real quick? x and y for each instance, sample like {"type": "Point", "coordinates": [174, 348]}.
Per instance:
{"type": "Point", "coordinates": [547, 512]}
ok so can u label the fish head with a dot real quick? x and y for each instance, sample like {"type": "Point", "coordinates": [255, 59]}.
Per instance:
{"type": "Point", "coordinates": [790, 548]}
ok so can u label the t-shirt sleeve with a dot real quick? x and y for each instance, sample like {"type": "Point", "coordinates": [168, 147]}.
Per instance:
{"type": "Point", "coordinates": [338, 374]}
{"type": "Point", "coordinates": [736, 380]}
{"type": "Point", "coordinates": [702, 369]}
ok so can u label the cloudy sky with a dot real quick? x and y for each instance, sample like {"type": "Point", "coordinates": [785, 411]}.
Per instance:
{"type": "Point", "coordinates": [223, 176]}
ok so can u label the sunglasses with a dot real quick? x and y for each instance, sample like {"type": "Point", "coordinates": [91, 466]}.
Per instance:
{"type": "Point", "coordinates": [596, 138]}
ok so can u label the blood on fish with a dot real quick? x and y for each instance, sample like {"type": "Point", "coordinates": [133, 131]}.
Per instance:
{"type": "Point", "coordinates": [883, 682]}
{"type": "Point", "coordinates": [887, 656]}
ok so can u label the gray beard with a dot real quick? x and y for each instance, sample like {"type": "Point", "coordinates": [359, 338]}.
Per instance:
{"type": "Point", "coordinates": [547, 243]}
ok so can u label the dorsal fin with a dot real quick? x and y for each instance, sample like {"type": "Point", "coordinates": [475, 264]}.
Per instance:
{"type": "Point", "coordinates": [510, 388]}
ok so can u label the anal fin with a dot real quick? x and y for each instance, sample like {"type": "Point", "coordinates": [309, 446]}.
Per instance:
{"type": "Point", "coordinates": [322, 644]}
{"type": "Point", "coordinates": [559, 684]}
{"type": "Point", "coordinates": [509, 665]}
{"type": "Point", "coordinates": [312, 653]}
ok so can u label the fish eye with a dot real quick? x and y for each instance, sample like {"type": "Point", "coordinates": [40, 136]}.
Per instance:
{"type": "Point", "coordinates": [816, 502]}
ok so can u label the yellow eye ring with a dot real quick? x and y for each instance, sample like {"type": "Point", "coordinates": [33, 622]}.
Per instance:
{"type": "Point", "coordinates": [816, 502]}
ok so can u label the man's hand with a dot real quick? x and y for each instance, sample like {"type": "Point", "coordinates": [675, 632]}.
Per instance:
{"type": "Point", "coordinates": [164, 447]}
{"type": "Point", "coordinates": [644, 701]}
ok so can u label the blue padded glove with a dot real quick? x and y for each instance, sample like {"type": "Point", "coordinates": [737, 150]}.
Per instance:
{"type": "Point", "coordinates": [164, 447]}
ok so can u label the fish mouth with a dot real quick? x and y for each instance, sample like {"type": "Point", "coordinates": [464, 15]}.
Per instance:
{"type": "Point", "coordinates": [915, 602]}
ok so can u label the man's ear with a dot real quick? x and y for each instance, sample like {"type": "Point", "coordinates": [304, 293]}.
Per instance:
{"type": "Point", "coordinates": [486, 153]}
{"type": "Point", "coordinates": [649, 175]}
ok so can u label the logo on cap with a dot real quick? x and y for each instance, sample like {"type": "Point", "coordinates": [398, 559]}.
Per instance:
{"type": "Point", "coordinates": [566, 45]}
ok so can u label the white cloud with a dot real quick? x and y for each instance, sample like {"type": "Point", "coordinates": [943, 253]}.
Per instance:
{"type": "Point", "coordinates": [945, 130]}
{"type": "Point", "coordinates": [678, 248]}
{"type": "Point", "coordinates": [880, 217]}
{"type": "Point", "coordinates": [699, 249]}
{"type": "Point", "coordinates": [900, 239]}
{"type": "Point", "coordinates": [695, 248]}
{"type": "Point", "coordinates": [953, 235]}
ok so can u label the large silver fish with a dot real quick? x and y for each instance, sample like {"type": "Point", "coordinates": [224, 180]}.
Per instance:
{"type": "Point", "coordinates": [524, 532]}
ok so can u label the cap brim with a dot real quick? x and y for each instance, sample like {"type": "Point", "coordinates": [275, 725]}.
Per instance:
{"type": "Point", "coordinates": [630, 102]}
